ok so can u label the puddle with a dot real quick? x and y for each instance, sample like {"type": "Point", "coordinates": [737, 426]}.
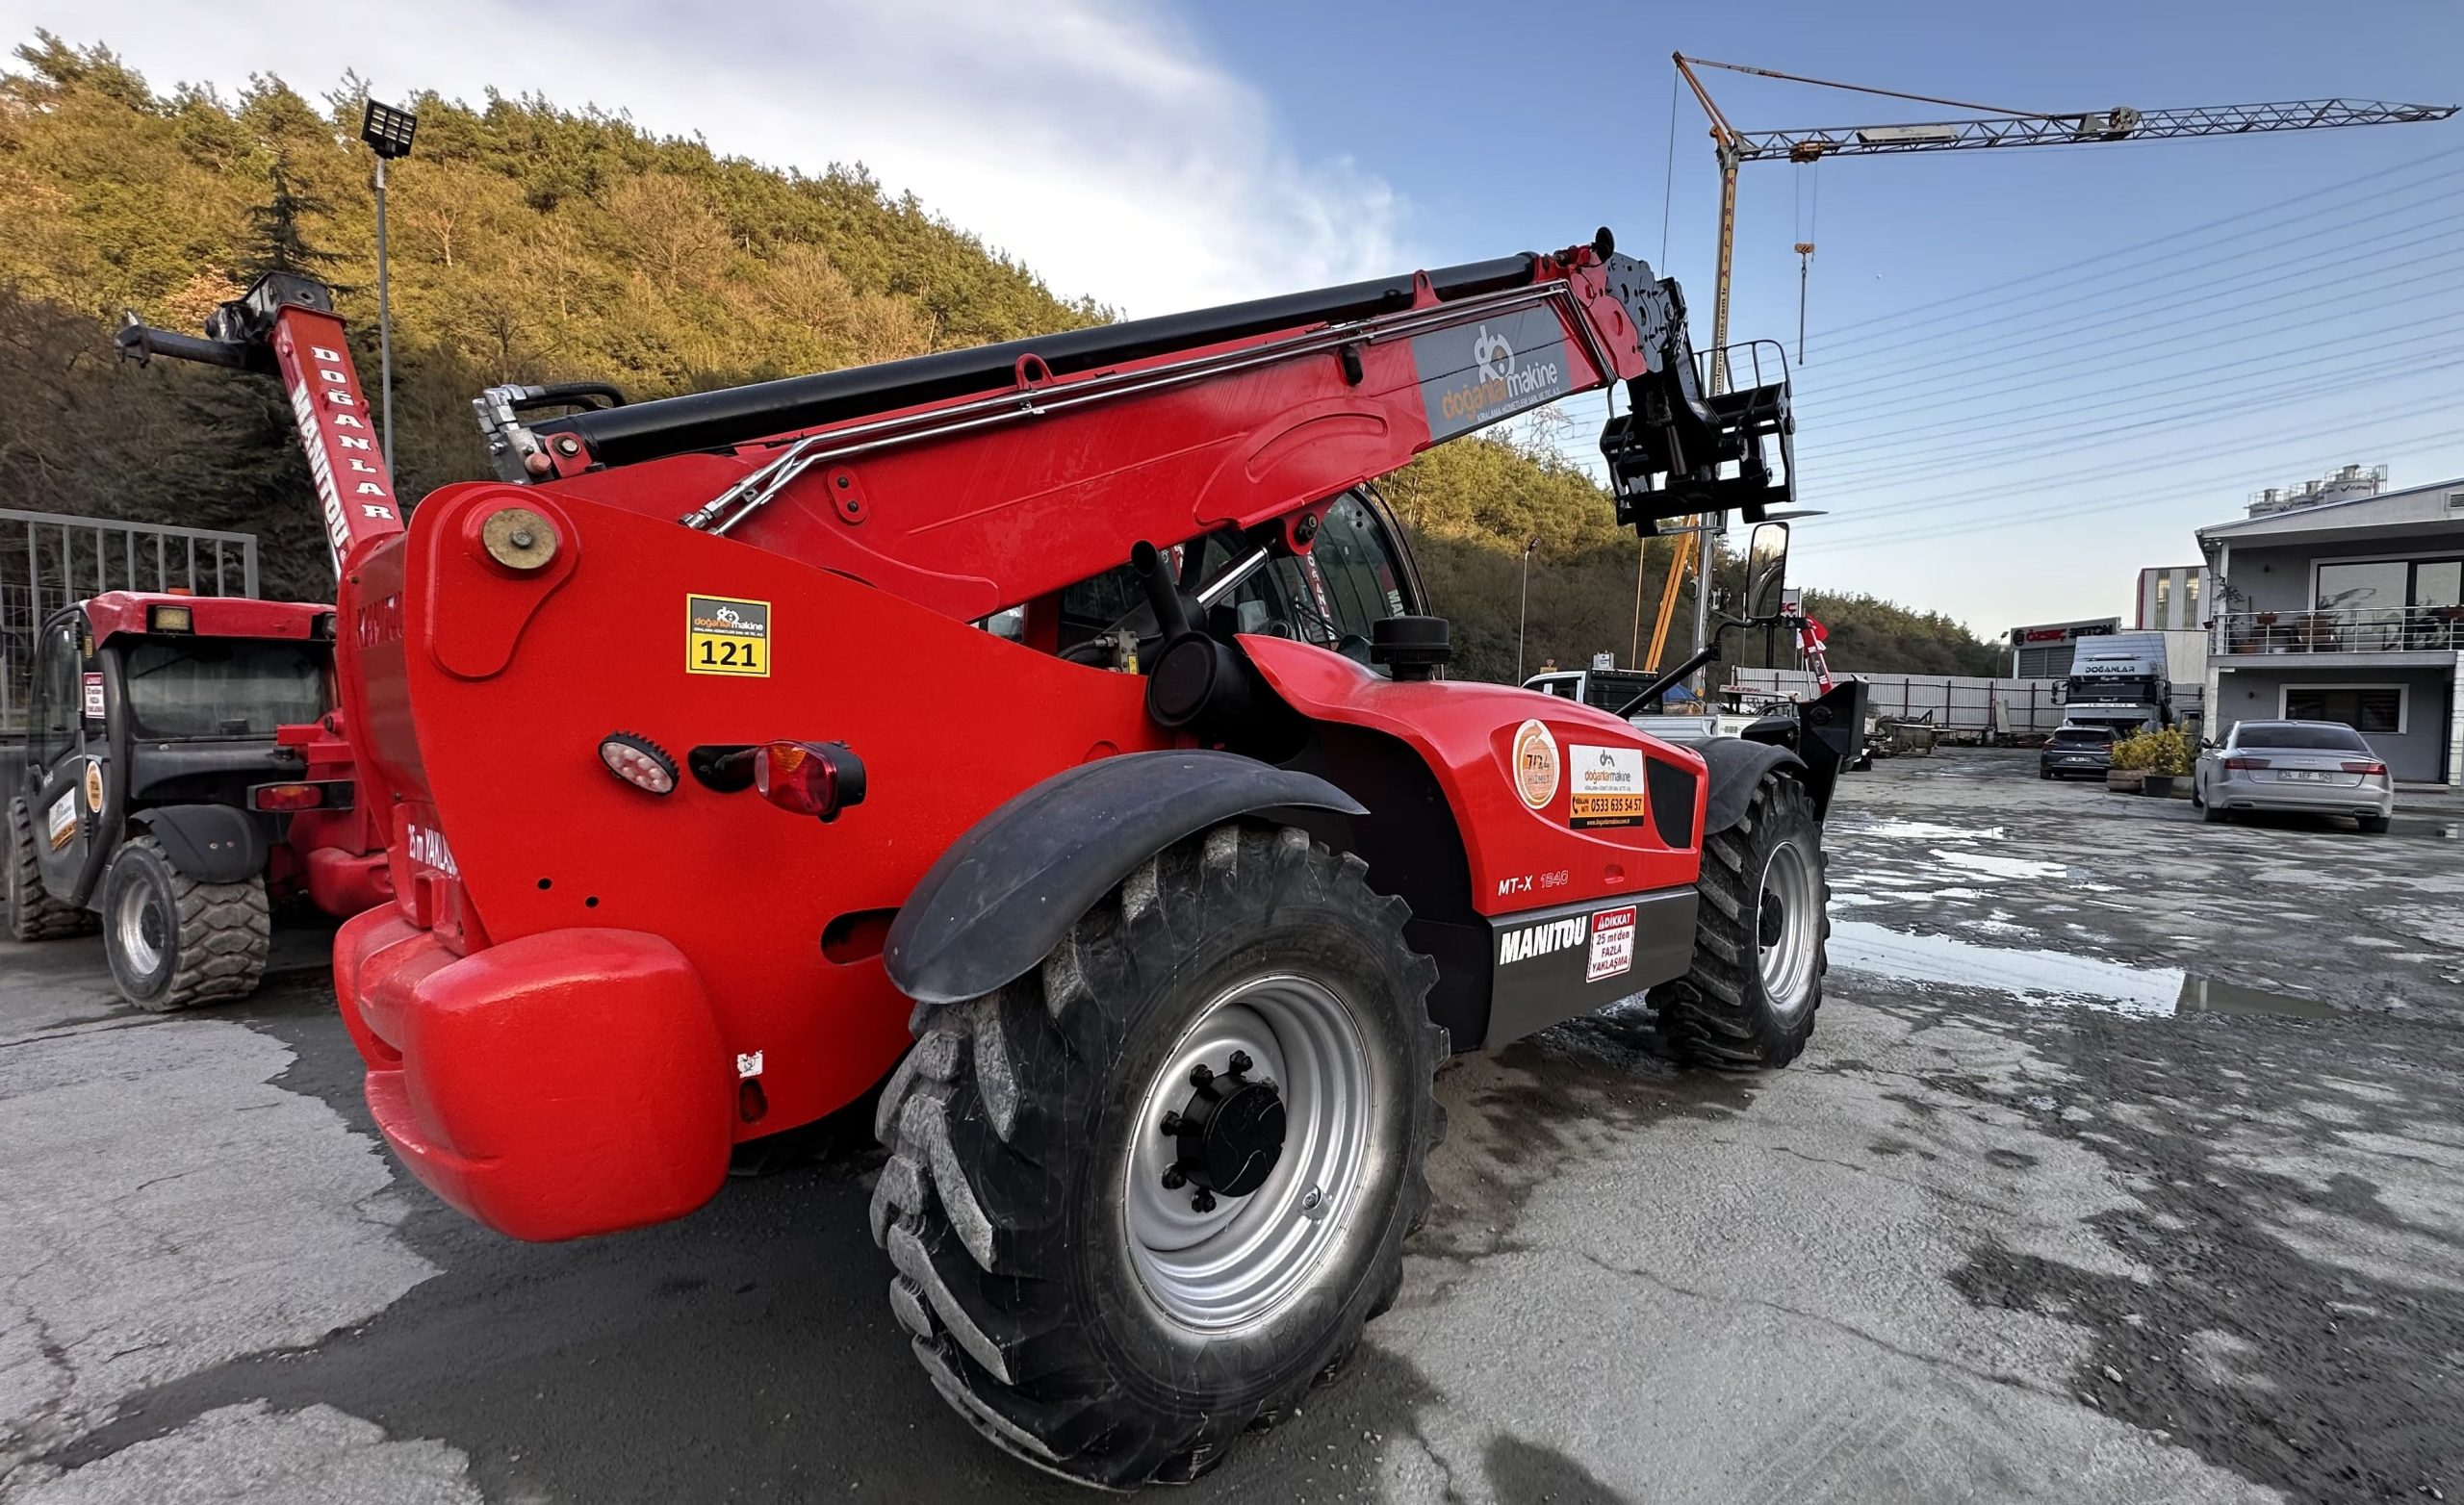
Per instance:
{"type": "Point", "coordinates": [2049, 978]}
{"type": "Point", "coordinates": [2208, 996]}
{"type": "Point", "coordinates": [1928, 830]}
{"type": "Point", "coordinates": [2000, 867]}
{"type": "Point", "coordinates": [2001, 924]}
{"type": "Point", "coordinates": [2036, 977]}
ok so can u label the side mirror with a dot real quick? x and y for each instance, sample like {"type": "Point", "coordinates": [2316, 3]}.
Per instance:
{"type": "Point", "coordinates": [1766, 571]}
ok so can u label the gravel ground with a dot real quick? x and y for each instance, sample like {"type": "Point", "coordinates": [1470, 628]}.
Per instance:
{"type": "Point", "coordinates": [2125, 1165]}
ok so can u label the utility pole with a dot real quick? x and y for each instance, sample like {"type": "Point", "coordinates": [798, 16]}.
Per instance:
{"type": "Point", "coordinates": [388, 133]}
{"type": "Point", "coordinates": [1523, 612]}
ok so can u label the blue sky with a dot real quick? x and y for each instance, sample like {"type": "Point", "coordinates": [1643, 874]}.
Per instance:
{"type": "Point", "coordinates": [2009, 456]}
{"type": "Point", "coordinates": [2032, 371]}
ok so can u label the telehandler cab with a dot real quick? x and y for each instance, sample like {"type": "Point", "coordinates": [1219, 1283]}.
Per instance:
{"type": "Point", "coordinates": [1157, 913]}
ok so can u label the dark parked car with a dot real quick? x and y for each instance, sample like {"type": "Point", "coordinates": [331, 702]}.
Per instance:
{"type": "Point", "coordinates": [2076, 750]}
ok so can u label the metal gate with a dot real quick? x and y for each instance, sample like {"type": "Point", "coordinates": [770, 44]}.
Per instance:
{"type": "Point", "coordinates": [49, 559]}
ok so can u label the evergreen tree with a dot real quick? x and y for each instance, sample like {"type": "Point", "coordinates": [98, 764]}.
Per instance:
{"type": "Point", "coordinates": [278, 240]}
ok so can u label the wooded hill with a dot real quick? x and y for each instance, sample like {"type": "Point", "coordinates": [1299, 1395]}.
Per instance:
{"type": "Point", "coordinates": [532, 244]}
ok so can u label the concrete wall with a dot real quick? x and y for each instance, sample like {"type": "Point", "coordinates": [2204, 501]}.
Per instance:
{"type": "Point", "coordinates": [2183, 604]}
{"type": "Point", "coordinates": [2421, 753]}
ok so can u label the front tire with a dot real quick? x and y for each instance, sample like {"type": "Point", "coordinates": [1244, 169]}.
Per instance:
{"type": "Point", "coordinates": [1072, 1291]}
{"type": "Point", "coordinates": [33, 914]}
{"type": "Point", "coordinates": [1760, 939]}
{"type": "Point", "coordinates": [173, 940]}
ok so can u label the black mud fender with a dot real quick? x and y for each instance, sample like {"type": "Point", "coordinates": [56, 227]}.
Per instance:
{"type": "Point", "coordinates": [1736, 766]}
{"type": "Point", "coordinates": [1005, 893]}
{"type": "Point", "coordinates": [210, 843]}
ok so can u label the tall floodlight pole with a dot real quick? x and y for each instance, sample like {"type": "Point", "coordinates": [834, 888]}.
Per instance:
{"type": "Point", "coordinates": [388, 133]}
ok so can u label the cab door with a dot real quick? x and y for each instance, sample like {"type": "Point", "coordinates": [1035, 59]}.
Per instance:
{"type": "Point", "coordinates": [59, 795]}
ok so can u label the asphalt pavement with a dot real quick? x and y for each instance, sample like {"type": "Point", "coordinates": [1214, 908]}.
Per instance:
{"type": "Point", "coordinates": [2127, 1164]}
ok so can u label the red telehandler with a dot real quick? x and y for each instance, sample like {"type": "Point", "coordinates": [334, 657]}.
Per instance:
{"type": "Point", "coordinates": [1053, 737]}
{"type": "Point", "coordinates": [185, 772]}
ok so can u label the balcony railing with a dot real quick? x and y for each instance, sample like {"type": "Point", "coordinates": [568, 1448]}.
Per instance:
{"type": "Point", "coordinates": [2344, 630]}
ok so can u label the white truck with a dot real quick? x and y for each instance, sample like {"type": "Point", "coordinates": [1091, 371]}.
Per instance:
{"type": "Point", "coordinates": [2122, 681]}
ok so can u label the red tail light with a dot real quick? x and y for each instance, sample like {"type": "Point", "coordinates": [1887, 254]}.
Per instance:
{"type": "Point", "coordinates": [808, 778]}
{"type": "Point", "coordinates": [2365, 768]}
{"type": "Point", "coordinates": [287, 797]}
{"type": "Point", "coordinates": [2246, 762]}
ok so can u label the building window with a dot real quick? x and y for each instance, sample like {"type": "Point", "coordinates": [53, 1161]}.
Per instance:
{"type": "Point", "coordinates": [2439, 582]}
{"type": "Point", "coordinates": [2189, 597]}
{"type": "Point", "coordinates": [2364, 707]}
{"type": "Point", "coordinates": [2163, 598]}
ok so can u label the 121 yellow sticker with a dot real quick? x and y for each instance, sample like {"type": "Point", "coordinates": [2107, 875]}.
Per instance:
{"type": "Point", "coordinates": [727, 636]}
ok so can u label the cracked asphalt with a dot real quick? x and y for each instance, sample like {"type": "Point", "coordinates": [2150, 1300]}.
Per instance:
{"type": "Point", "coordinates": [2127, 1164]}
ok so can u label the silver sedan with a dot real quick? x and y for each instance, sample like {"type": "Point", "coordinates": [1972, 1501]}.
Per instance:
{"type": "Point", "coordinates": [2308, 766]}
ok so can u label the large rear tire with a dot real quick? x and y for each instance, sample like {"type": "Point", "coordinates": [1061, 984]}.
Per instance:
{"type": "Point", "coordinates": [173, 940]}
{"type": "Point", "coordinates": [1113, 1300]}
{"type": "Point", "coordinates": [33, 914]}
{"type": "Point", "coordinates": [1761, 940]}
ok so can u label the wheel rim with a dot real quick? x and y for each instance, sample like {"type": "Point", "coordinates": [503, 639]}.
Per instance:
{"type": "Point", "coordinates": [1230, 1267]}
{"type": "Point", "coordinates": [1789, 909]}
{"type": "Point", "coordinates": [141, 928]}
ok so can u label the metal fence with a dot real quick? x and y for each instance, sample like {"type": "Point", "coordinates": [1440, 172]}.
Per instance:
{"type": "Point", "coordinates": [49, 559]}
{"type": "Point", "coordinates": [2340, 630]}
{"type": "Point", "coordinates": [1962, 706]}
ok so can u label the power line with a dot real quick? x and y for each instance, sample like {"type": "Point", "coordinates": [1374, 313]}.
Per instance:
{"type": "Point", "coordinates": [2427, 442]}
{"type": "Point", "coordinates": [1812, 459]}
{"type": "Point", "coordinates": [1899, 400]}
{"type": "Point", "coordinates": [1936, 501]}
{"type": "Point", "coordinates": [1885, 437]}
{"type": "Point", "coordinates": [2185, 347]}
{"type": "Point", "coordinates": [2298, 266]}
{"type": "Point", "coordinates": [2072, 268]}
{"type": "Point", "coordinates": [2307, 383]}
{"type": "Point", "coordinates": [1668, 175]}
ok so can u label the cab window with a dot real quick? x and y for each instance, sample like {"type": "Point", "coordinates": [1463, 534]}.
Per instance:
{"type": "Point", "coordinates": [1352, 576]}
{"type": "Point", "coordinates": [52, 732]}
{"type": "Point", "coordinates": [225, 687]}
{"type": "Point", "coordinates": [1351, 579]}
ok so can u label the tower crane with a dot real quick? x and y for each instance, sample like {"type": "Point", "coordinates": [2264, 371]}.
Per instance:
{"type": "Point", "coordinates": [1996, 127]}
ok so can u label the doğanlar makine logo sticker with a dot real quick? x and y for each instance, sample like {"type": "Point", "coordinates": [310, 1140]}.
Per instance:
{"type": "Point", "coordinates": [1474, 374]}
{"type": "Point", "coordinates": [1494, 354]}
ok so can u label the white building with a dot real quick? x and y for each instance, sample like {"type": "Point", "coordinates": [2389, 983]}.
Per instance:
{"type": "Point", "coordinates": [2349, 607]}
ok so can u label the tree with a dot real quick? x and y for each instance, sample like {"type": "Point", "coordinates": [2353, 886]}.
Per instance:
{"type": "Point", "coordinates": [277, 238]}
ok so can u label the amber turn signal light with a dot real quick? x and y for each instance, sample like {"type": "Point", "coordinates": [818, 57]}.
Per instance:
{"type": "Point", "coordinates": [284, 797]}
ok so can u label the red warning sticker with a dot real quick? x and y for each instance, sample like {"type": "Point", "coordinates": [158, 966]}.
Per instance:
{"type": "Point", "coordinates": [1613, 944]}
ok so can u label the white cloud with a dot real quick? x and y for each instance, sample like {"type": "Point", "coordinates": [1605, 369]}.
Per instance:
{"type": "Point", "coordinates": [1088, 138]}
